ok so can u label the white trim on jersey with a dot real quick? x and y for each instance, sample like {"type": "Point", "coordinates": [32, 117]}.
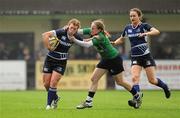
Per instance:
{"type": "Point", "coordinates": [53, 32]}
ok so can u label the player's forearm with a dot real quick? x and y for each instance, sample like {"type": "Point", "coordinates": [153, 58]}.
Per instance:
{"type": "Point", "coordinates": [118, 41]}
{"type": "Point", "coordinates": [45, 38]}
{"type": "Point", "coordinates": [153, 32]}
{"type": "Point", "coordinates": [83, 43]}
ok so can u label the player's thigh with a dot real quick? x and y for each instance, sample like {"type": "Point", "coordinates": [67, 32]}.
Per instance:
{"type": "Point", "coordinates": [151, 73]}
{"type": "Point", "coordinates": [135, 72]}
{"type": "Point", "coordinates": [97, 74]}
{"type": "Point", "coordinates": [56, 76]}
{"type": "Point", "coordinates": [47, 78]}
{"type": "Point", "coordinates": [118, 77]}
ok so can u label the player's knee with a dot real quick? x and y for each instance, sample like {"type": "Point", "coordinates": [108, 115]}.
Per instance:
{"type": "Point", "coordinates": [120, 82]}
{"type": "Point", "coordinates": [152, 81]}
{"type": "Point", "coordinates": [46, 85]}
{"type": "Point", "coordinates": [93, 80]}
{"type": "Point", "coordinates": [54, 83]}
{"type": "Point", "coordinates": [135, 78]}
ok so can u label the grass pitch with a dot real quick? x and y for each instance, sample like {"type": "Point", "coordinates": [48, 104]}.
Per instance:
{"type": "Point", "coordinates": [107, 104]}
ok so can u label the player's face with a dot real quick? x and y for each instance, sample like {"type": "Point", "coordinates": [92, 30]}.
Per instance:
{"type": "Point", "coordinates": [94, 29]}
{"type": "Point", "coordinates": [134, 17]}
{"type": "Point", "coordinates": [72, 29]}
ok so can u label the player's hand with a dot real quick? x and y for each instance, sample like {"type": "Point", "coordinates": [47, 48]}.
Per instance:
{"type": "Point", "coordinates": [142, 35]}
{"type": "Point", "coordinates": [96, 36]}
{"type": "Point", "coordinates": [86, 40]}
{"type": "Point", "coordinates": [71, 38]}
{"type": "Point", "coordinates": [112, 42]}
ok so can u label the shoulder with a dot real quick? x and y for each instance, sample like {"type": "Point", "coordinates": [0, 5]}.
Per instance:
{"type": "Point", "coordinates": [127, 26]}
{"type": "Point", "coordinates": [146, 25]}
{"type": "Point", "coordinates": [77, 36]}
{"type": "Point", "coordinates": [101, 35]}
{"type": "Point", "coordinates": [61, 31]}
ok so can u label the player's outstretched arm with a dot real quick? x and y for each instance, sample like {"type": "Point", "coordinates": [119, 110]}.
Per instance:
{"type": "Point", "coordinates": [118, 41]}
{"type": "Point", "coordinates": [87, 43]}
{"type": "Point", "coordinates": [153, 31]}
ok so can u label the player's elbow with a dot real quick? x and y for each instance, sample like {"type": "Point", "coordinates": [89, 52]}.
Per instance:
{"type": "Point", "coordinates": [88, 46]}
{"type": "Point", "coordinates": [43, 35]}
{"type": "Point", "coordinates": [158, 32]}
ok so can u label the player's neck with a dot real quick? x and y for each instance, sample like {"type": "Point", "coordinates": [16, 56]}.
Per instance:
{"type": "Point", "coordinates": [135, 24]}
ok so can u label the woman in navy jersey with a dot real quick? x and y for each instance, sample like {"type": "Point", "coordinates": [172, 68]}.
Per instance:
{"type": "Point", "coordinates": [137, 33]}
{"type": "Point", "coordinates": [55, 62]}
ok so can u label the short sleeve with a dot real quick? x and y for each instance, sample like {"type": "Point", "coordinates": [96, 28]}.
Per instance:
{"type": "Point", "coordinates": [124, 33]}
{"type": "Point", "coordinates": [86, 31]}
{"type": "Point", "coordinates": [147, 26]}
{"type": "Point", "coordinates": [59, 32]}
{"type": "Point", "coordinates": [77, 36]}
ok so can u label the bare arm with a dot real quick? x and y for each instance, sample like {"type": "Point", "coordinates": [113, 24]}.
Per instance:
{"type": "Point", "coordinates": [45, 38]}
{"type": "Point", "coordinates": [153, 31]}
{"type": "Point", "coordinates": [118, 41]}
{"type": "Point", "coordinates": [85, 43]}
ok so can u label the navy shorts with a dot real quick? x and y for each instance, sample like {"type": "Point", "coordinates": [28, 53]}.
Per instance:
{"type": "Point", "coordinates": [51, 64]}
{"type": "Point", "coordinates": [114, 66]}
{"type": "Point", "coordinates": [143, 61]}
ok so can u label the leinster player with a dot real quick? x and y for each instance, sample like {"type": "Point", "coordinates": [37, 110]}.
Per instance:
{"type": "Point", "coordinates": [56, 59]}
{"type": "Point", "coordinates": [137, 33]}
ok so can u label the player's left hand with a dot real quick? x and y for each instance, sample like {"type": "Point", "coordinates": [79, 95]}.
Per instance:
{"type": "Point", "coordinates": [142, 34]}
{"type": "Point", "coordinates": [96, 36]}
{"type": "Point", "coordinates": [71, 38]}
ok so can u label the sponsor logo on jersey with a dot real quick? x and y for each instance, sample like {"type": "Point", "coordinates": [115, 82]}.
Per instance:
{"type": "Point", "coordinates": [129, 30]}
{"type": "Point", "coordinates": [133, 35]}
{"type": "Point", "coordinates": [138, 30]}
{"type": "Point", "coordinates": [63, 38]}
{"type": "Point", "coordinates": [65, 43]}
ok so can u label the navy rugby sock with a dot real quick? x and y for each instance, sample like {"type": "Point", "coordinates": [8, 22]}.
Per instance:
{"type": "Point", "coordinates": [137, 87]}
{"type": "Point", "coordinates": [51, 95]}
{"type": "Point", "coordinates": [161, 83]}
{"type": "Point", "coordinates": [133, 91]}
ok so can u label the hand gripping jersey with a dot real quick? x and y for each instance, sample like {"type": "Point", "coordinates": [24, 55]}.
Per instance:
{"type": "Point", "coordinates": [139, 46]}
{"type": "Point", "coordinates": [102, 45]}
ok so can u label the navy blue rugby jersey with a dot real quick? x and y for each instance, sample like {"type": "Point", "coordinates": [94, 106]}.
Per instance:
{"type": "Point", "coordinates": [139, 46]}
{"type": "Point", "coordinates": [61, 52]}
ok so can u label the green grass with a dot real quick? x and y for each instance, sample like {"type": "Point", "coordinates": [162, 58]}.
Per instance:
{"type": "Point", "coordinates": [107, 104]}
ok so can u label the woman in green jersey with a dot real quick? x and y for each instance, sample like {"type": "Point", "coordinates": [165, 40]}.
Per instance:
{"type": "Point", "coordinates": [110, 61]}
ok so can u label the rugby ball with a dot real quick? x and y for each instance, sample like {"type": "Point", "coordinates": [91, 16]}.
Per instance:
{"type": "Point", "coordinates": [53, 43]}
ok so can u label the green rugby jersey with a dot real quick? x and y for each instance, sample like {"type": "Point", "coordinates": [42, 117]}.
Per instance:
{"type": "Point", "coordinates": [102, 45]}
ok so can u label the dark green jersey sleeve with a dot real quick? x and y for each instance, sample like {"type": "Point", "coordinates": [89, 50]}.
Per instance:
{"type": "Point", "coordinates": [87, 31]}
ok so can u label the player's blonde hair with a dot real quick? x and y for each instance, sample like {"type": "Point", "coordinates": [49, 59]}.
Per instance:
{"type": "Point", "coordinates": [99, 24]}
{"type": "Point", "coordinates": [75, 22]}
{"type": "Point", "coordinates": [138, 11]}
